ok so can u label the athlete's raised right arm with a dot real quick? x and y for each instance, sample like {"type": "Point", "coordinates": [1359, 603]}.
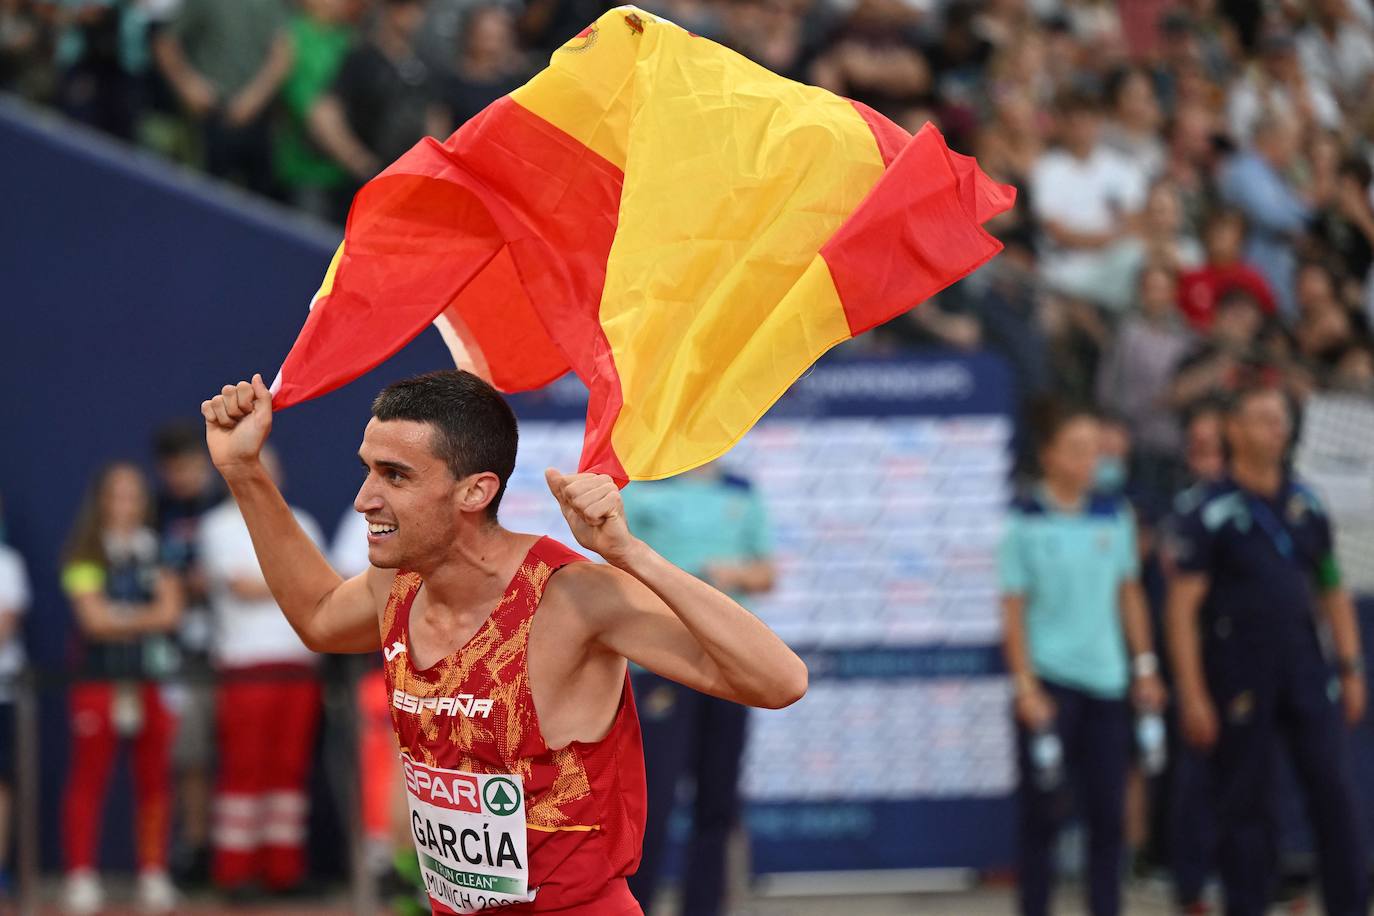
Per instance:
{"type": "Point", "coordinates": [329, 613]}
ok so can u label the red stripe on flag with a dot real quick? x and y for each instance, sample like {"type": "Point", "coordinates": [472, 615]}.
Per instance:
{"type": "Point", "coordinates": [510, 210]}
{"type": "Point", "coordinates": [891, 138]}
{"type": "Point", "coordinates": [918, 230]}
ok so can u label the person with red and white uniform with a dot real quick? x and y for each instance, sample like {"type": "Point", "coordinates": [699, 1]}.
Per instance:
{"type": "Point", "coordinates": [267, 709]}
{"type": "Point", "coordinates": [126, 605]}
{"type": "Point", "coordinates": [506, 655]}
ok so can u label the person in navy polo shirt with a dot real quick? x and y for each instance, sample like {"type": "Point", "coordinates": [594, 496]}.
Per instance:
{"type": "Point", "coordinates": [1256, 582]}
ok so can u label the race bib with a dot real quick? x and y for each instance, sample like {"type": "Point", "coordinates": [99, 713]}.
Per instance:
{"type": "Point", "coordinates": [469, 830]}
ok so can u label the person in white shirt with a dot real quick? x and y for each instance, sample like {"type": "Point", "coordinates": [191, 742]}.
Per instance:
{"type": "Point", "coordinates": [1088, 199]}
{"type": "Point", "coordinates": [1337, 50]}
{"type": "Point", "coordinates": [1277, 86]}
{"type": "Point", "coordinates": [14, 602]}
{"type": "Point", "coordinates": [268, 708]}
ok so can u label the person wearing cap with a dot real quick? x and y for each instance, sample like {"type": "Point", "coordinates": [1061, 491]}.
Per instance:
{"type": "Point", "coordinates": [1255, 582]}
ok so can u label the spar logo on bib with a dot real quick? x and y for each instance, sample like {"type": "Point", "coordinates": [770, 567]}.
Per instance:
{"type": "Point", "coordinates": [501, 795]}
{"type": "Point", "coordinates": [469, 831]}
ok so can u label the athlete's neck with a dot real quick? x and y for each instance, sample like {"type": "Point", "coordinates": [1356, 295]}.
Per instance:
{"type": "Point", "coordinates": [1260, 478]}
{"type": "Point", "coordinates": [476, 569]}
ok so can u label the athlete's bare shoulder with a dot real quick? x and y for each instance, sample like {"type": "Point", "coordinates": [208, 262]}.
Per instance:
{"type": "Point", "coordinates": [580, 583]}
{"type": "Point", "coordinates": [595, 594]}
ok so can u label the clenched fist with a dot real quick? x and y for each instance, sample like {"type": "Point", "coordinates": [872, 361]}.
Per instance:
{"type": "Point", "coordinates": [237, 421]}
{"type": "Point", "coordinates": [592, 506]}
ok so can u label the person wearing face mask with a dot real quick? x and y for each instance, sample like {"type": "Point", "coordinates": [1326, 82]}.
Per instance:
{"type": "Point", "coordinates": [127, 606]}
{"type": "Point", "coordinates": [1079, 650]}
{"type": "Point", "coordinates": [1113, 455]}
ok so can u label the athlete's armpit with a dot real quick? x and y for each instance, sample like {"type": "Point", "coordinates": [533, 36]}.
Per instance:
{"type": "Point", "coordinates": [348, 619]}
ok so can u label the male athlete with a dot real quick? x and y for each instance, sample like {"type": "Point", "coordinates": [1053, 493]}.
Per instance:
{"type": "Point", "coordinates": [508, 684]}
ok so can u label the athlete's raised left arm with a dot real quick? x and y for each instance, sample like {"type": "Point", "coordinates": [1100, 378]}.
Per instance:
{"type": "Point", "coordinates": [663, 618]}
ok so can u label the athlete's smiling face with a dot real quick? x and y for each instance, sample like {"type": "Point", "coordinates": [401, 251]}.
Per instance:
{"type": "Point", "coordinates": [414, 506]}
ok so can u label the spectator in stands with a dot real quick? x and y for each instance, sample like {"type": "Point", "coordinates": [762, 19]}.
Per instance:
{"type": "Point", "coordinates": [1323, 333]}
{"type": "Point", "coordinates": [1336, 49]}
{"type": "Point", "coordinates": [1354, 367]}
{"type": "Point", "coordinates": [1190, 161]}
{"type": "Point", "coordinates": [1133, 129]}
{"type": "Point", "coordinates": [14, 603]}
{"type": "Point", "coordinates": [714, 525]}
{"type": "Point", "coordinates": [958, 57]}
{"type": "Point", "coordinates": [1275, 212]}
{"type": "Point", "coordinates": [1314, 287]}
{"type": "Point", "coordinates": [226, 60]}
{"type": "Point", "coordinates": [1078, 646]}
{"type": "Point", "coordinates": [1345, 228]}
{"type": "Point", "coordinates": [1255, 572]}
{"type": "Point", "coordinates": [1165, 235]}
{"type": "Point", "coordinates": [187, 489]}
{"type": "Point", "coordinates": [1088, 200]}
{"type": "Point", "coordinates": [127, 606]}
{"type": "Point", "coordinates": [1135, 379]}
{"type": "Point", "coordinates": [1012, 322]}
{"type": "Point", "coordinates": [322, 34]}
{"type": "Point", "coordinates": [1275, 88]}
{"type": "Point", "coordinates": [22, 52]}
{"type": "Point", "coordinates": [384, 98]}
{"type": "Point", "coordinates": [874, 65]}
{"type": "Point", "coordinates": [545, 25]}
{"type": "Point", "coordinates": [98, 54]}
{"type": "Point", "coordinates": [1014, 139]}
{"type": "Point", "coordinates": [1229, 357]}
{"type": "Point", "coordinates": [489, 63]}
{"type": "Point", "coordinates": [267, 710]}
{"type": "Point", "coordinates": [1022, 62]}
{"type": "Point", "coordinates": [1224, 270]}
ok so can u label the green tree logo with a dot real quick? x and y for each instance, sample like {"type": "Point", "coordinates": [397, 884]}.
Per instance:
{"type": "Point", "coordinates": [501, 795]}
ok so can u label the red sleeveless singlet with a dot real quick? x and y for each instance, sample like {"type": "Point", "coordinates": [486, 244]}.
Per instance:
{"type": "Point", "coordinates": [473, 754]}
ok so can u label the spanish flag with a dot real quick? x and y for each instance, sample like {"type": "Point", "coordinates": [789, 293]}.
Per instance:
{"type": "Point", "coordinates": [683, 229]}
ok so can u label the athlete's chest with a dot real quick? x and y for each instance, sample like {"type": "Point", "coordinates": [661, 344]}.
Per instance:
{"type": "Point", "coordinates": [434, 638]}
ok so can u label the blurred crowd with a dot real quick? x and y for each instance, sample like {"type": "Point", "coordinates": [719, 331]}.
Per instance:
{"type": "Point", "coordinates": [1194, 181]}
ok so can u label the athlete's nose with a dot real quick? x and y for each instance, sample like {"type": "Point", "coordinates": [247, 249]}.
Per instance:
{"type": "Point", "coordinates": [367, 499]}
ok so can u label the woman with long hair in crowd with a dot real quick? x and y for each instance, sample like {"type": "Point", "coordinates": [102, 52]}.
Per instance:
{"type": "Point", "coordinates": [1078, 647]}
{"type": "Point", "coordinates": [126, 605]}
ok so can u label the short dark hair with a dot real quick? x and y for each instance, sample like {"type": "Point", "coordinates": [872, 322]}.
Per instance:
{"type": "Point", "coordinates": [474, 427]}
{"type": "Point", "coordinates": [1049, 416]}
{"type": "Point", "coordinates": [178, 438]}
{"type": "Point", "coordinates": [1078, 100]}
{"type": "Point", "coordinates": [1235, 297]}
{"type": "Point", "coordinates": [1249, 390]}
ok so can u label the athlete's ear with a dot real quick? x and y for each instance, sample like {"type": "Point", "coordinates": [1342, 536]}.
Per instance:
{"type": "Point", "coordinates": [476, 491]}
